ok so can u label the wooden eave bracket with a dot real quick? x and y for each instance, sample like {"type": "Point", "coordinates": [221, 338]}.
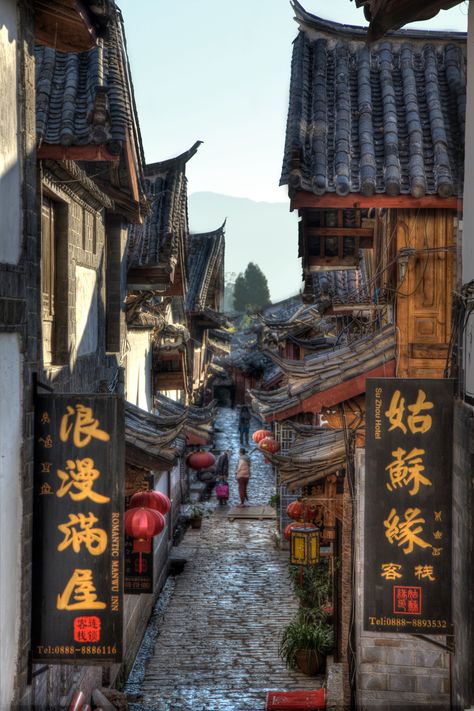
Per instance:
{"type": "Point", "coordinates": [64, 25]}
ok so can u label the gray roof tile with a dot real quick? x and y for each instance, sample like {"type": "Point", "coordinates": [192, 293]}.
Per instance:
{"type": "Point", "coordinates": [388, 118]}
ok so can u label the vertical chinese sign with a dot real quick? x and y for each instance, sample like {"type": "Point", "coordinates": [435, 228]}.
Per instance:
{"type": "Point", "coordinates": [407, 531]}
{"type": "Point", "coordinates": [78, 529]}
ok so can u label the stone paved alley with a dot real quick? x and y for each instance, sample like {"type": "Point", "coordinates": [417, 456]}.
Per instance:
{"type": "Point", "coordinates": [217, 642]}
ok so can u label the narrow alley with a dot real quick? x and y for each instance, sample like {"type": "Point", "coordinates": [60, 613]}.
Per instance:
{"type": "Point", "coordinates": [217, 643]}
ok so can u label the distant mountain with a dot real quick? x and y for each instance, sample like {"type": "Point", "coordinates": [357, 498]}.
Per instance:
{"type": "Point", "coordinates": [261, 232]}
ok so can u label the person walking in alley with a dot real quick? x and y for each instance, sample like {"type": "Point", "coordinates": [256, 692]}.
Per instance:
{"type": "Point", "coordinates": [242, 475]}
{"type": "Point", "coordinates": [244, 424]}
{"type": "Point", "coordinates": [222, 465]}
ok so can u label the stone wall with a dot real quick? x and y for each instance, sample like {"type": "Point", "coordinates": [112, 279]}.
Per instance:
{"type": "Point", "coordinates": [393, 672]}
{"type": "Point", "coordinates": [463, 547]}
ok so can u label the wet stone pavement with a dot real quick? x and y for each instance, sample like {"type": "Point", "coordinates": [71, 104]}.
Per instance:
{"type": "Point", "coordinates": [213, 640]}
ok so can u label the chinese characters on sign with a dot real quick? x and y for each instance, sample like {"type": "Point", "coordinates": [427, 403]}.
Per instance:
{"type": "Point", "coordinates": [407, 530]}
{"type": "Point", "coordinates": [78, 495]}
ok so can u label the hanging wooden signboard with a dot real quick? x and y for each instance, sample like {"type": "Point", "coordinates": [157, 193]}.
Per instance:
{"type": "Point", "coordinates": [77, 604]}
{"type": "Point", "coordinates": [407, 518]}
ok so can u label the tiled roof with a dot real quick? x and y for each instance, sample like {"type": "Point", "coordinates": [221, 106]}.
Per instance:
{"type": "Point", "coordinates": [158, 241]}
{"type": "Point", "coordinates": [311, 458]}
{"type": "Point", "coordinates": [205, 267]}
{"type": "Point", "coordinates": [199, 420]}
{"type": "Point", "coordinates": [385, 118]}
{"type": "Point", "coordinates": [386, 15]}
{"type": "Point", "coordinates": [151, 441]}
{"type": "Point", "coordinates": [321, 372]}
{"type": "Point", "coordinates": [341, 286]}
{"type": "Point", "coordinates": [87, 97]}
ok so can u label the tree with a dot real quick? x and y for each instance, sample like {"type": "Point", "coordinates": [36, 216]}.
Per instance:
{"type": "Point", "coordinates": [251, 289]}
{"type": "Point", "coordinates": [240, 293]}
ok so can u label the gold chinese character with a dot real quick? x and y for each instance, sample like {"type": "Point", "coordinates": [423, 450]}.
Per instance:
{"type": "Point", "coordinates": [82, 590]}
{"type": "Point", "coordinates": [45, 489]}
{"type": "Point", "coordinates": [396, 411]}
{"type": "Point", "coordinates": [436, 551]}
{"type": "Point", "coordinates": [85, 426]}
{"type": "Point", "coordinates": [437, 515]}
{"type": "Point", "coordinates": [424, 571]}
{"type": "Point", "coordinates": [80, 475]}
{"type": "Point", "coordinates": [390, 571]}
{"type": "Point", "coordinates": [407, 468]}
{"type": "Point", "coordinates": [403, 532]}
{"type": "Point", "coordinates": [47, 441]}
{"type": "Point", "coordinates": [417, 422]}
{"type": "Point", "coordinates": [437, 535]}
{"type": "Point", "coordinates": [45, 420]}
{"type": "Point", "coordinates": [46, 467]}
{"type": "Point", "coordinates": [94, 539]}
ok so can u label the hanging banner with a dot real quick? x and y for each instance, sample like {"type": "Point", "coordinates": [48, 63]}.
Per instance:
{"type": "Point", "coordinates": [77, 604]}
{"type": "Point", "coordinates": [407, 530]}
{"type": "Point", "coordinates": [138, 581]}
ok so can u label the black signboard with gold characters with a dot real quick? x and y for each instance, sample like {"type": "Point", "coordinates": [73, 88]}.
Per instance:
{"type": "Point", "coordinates": [78, 529]}
{"type": "Point", "coordinates": [407, 530]}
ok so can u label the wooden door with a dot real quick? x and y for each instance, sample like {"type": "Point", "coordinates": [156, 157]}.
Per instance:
{"type": "Point", "coordinates": [424, 296]}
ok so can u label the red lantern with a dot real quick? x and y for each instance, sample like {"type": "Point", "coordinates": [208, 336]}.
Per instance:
{"type": "Point", "coordinates": [258, 435]}
{"type": "Point", "coordinates": [200, 460]}
{"type": "Point", "coordinates": [295, 524]}
{"type": "Point", "coordinates": [268, 444]}
{"type": "Point", "coordinates": [300, 511]}
{"type": "Point", "coordinates": [142, 524]}
{"type": "Point", "coordinates": [295, 510]}
{"type": "Point", "coordinates": [151, 500]}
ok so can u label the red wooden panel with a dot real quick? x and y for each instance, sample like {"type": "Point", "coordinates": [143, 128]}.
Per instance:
{"type": "Point", "coordinates": [296, 700]}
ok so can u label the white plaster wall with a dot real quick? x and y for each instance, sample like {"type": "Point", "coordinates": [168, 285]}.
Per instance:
{"type": "Point", "coordinates": [138, 369]}
{"type": "Point", "coordinates": [10, 223]}
{"type": "Point", "coordinates": [86, 310]}
{"type": "Point", "coordinates": [10, 511]}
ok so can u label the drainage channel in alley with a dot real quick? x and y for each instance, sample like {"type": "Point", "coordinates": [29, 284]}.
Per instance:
{"type": "Point", "coordinates": [212, 641]}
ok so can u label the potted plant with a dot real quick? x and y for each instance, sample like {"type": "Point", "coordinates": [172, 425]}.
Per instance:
{"type": "Point", "coordinates": [312, 585]}
{"type": "Point", "coordinates": [196, 514]}
{"type": "Point", "coordinates": [306, 641]}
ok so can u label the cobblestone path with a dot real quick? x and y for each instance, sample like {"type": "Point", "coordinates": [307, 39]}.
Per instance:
{"type": "Point", "coordinates": [217, 643]}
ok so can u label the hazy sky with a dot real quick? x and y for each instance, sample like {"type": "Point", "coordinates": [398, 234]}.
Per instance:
{"type": "Point", "coordinates": [218, 71]}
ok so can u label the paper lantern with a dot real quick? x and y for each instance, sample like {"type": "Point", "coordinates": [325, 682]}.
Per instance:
{"type": "Point", "coordinates": [142, 525]}
{"type": "Point", "coordinates": [268, 444]}
{"type": "Point", "coordinates": [200, 460]}
{"type": "Point", "coordinates": [304, 545]}
{"type": "Point", "coordinates": [258, 435]}
{"type": "Point", "coordinates": [151, 500]}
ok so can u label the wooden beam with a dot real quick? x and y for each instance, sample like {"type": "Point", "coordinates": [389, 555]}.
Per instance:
{"type": "Point", "coordinates": [132, 173]}
{"type": "Point", "coordinates": [303, 199]}
{"type": "Point", "coordinates": [48, 151]}
{"type": "Point", "coordinates": [338, 231]}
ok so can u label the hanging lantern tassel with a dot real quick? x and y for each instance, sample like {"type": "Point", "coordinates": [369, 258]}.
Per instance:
{"type": "Point", "coordinates": [141, 545]}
